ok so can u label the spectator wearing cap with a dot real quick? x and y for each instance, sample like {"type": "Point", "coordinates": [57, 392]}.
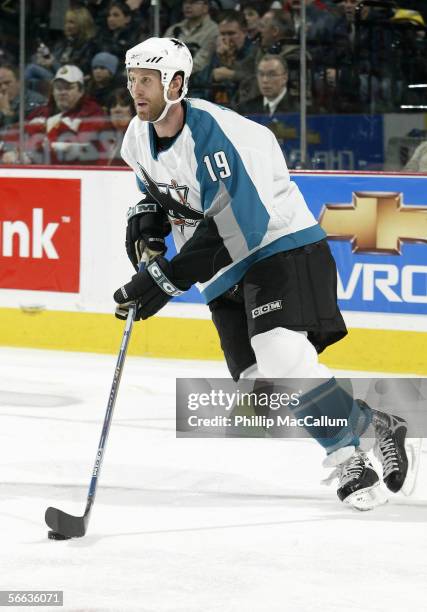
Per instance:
{"type": "Point", "coordinates": [69, 128]}
{"type": "Point", "coordinates": [104, 78]}
{"type": "Point", "coordinates": [197, 30]}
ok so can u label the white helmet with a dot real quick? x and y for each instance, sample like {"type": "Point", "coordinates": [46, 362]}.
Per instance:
{"type": "Point", "coordinates": [168, 56]}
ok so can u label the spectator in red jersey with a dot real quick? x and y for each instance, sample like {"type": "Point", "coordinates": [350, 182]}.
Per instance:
{"type": "Point", "coordinates": [70, 129]}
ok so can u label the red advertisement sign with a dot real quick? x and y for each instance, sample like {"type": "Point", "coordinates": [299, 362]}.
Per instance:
{"type": "Point", "coordinates": [40, 234]}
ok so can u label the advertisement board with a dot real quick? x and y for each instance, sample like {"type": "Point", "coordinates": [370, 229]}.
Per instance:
{"type": "Point", "coordinates": [62, 256]}
{"type": "Point", "coordinates": [336, 142]}
{"type": "Point", "coordinates": [377, 230]}
{"type": "Point", "coordinates": [40, 234]}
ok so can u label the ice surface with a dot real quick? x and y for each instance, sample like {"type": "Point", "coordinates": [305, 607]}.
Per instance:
{"type": "Point", "coordinates": [183, 524]}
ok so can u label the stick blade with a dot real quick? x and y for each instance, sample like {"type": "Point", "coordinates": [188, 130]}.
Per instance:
{"type": "Point", "coordinates": [65, 524]}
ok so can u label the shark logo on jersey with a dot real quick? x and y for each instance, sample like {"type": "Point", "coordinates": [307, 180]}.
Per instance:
{"type": "Point", "coordinates": [173, 199]}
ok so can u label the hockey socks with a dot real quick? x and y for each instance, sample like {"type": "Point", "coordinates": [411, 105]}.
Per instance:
{"type": "Point", "coordinates": [341, 416]}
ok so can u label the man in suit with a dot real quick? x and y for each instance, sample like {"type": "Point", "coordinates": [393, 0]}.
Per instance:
{"type": "Point", "coordinates": [272, 77]}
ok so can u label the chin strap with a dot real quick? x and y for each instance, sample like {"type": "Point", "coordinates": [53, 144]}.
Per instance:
{"type": "Point", "coordinates": [168, 104]}
{"type": "Point", "coordinates": [163, 113]}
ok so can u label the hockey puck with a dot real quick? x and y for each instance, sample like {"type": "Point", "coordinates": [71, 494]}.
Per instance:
{"type": "Point", "coordinates": [53, 535]}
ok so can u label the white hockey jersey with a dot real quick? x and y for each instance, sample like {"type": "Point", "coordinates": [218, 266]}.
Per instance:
{"type": "Point", "coordinates": [225, 187]}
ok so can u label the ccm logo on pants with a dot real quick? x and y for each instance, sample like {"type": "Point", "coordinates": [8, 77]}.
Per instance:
{"type": "Point", "coordinates": [265, 308]}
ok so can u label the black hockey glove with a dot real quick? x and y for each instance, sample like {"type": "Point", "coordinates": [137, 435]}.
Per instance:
{"type": "Point", "coordinates": [145, 232]}
{"type": "Point", "coordinates": [151, 289]}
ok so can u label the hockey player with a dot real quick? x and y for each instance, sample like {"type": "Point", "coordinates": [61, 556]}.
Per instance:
{"type": "Point", "coordinates": [244, 233]}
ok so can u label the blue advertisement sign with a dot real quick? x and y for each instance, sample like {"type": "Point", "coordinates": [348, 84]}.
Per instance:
{"type": "Point", "coordinates": [334, 142]}
{"type": "Point", "coordinates": [377, 230]}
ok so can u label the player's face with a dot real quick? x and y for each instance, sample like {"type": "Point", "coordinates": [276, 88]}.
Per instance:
{"type": "Point", "coordinates": [147, 93]}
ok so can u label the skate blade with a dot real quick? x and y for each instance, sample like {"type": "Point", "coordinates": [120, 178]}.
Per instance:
{"type": "Point", "coordinates": [367, 499]}
{"type": "Point", "coordinates": [413, 452]}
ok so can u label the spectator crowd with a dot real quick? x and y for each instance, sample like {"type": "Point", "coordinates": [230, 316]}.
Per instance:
{"type": "Point", "coordinates": [362, 56]}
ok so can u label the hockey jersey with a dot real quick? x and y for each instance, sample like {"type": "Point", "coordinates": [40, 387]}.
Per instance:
{"type": "Point", "coordinates": [226, 190]}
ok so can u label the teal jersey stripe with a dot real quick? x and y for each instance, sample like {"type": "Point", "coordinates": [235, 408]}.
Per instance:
{"type": "Point", "coordinates": [286, 243]}
{"type": "Point", "coordinates": [248, 209]}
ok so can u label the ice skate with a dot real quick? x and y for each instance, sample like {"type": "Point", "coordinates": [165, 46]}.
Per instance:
{"type": "Point", "coordinates": [399, 455]}
{"type": "Point", "coordinates": [359, 483]}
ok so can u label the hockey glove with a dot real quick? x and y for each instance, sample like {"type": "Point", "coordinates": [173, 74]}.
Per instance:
{"type": "Point", "coordinates": [151, 289]}
{"type": "Point", "coordinates": [145, 232]}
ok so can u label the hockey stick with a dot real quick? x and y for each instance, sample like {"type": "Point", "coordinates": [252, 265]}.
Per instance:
{"type": "Point", "coordinates": [65, 525]}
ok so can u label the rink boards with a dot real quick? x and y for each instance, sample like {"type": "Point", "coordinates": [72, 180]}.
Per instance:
{"type": "Point", "coordinates": [62, 256]}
